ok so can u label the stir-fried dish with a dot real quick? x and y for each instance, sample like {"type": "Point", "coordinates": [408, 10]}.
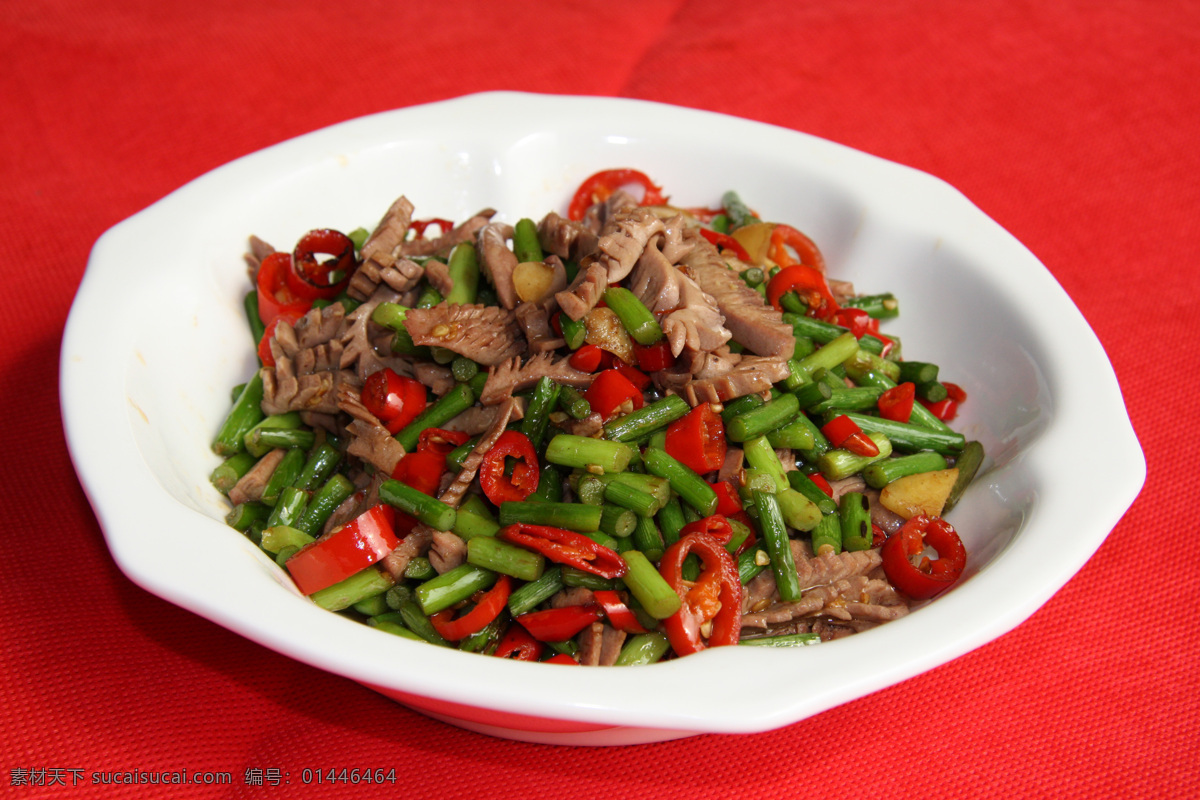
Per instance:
{"type": "Point", "coordinates": [613, 437]}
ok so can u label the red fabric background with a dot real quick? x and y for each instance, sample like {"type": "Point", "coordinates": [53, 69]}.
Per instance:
{"type": "Point", "coordinates": [1074, 124]}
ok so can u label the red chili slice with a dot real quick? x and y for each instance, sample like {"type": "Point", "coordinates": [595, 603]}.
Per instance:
{"type": "Point", "coordinates": [716, 595]}
{"type": "Point", "coordinates": [486, 609]}
{"type": "Point", "coordinates": [809, 283]}
{"type": "Point", "coordinates": [784, 236]}
{"type": "Point", "coordinates": [619, 614]}
{"type": "Point", "coordinates": [723, 240]}
{"type": "Point", "coordinates": [559, 624]}
{"type": "Point", "coordinates": [419, 226]}
{"type": "Point", "coordinates": [440, 440]}
{"type": "Point", "coordinates": [561, 658]}
{"type": "Point", "coordinates": [928, 577]}
{"type": "Point", "coordinates": [275, 297]}
{"type": "Point", "coordinates": [322, 279]}
{"type": "Point", "coordinates": [945, 409]}
{"type": "Point", "coordinates": [598, 187]}
{"type": "Point", "coordinates": [344, 551]}
{"type": "Point", "coordinates": [566, 547]}
{"type": "Point", "coordinates": [698, 439]}
{"type": "Point", "coordinates": [497, 482]}
{"type": "Point", "coordinates": [518, 645]}
{"type": "Point", "coordinates": [715, 526]}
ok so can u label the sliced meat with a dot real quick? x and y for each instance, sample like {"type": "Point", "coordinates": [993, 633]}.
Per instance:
{"type": "Point", "coordinates": [442, 245]}
{"type": "Point", "coordinates": [534, 320]}
{"type": "Point", "coordinates": [415, 544]}
{"type": "Point", "coordinates": [731, 467]}
{"type": "Point", "coordinates": [369, 439]}
{"type": "Point", "coordinates": [438, 275]}
{"type": "Point", "coordinates": [599, 645]}
{"type": "Point", "coordinates": [486, 334]}
{"type": "Point", "coordinates": [755, 325]}
{"type": "Point", "coordinates": [438, 378]}
{"type": "Point", "coordinates": [566, 238]}
{"type": "Point", "coordinates": [447, 550]}
{"type": "Point", "coordinates": [359, 334]}
{"type": "Point", "coordinates": [751, 375]}
{"type": "Point", "coordinates": [590, 426]}
{"type": "Point", "coordinates": [497, 261]}
{"type": "Point", "coordinates": [477, 419]}
{"type": "Point", "coordinates": [599, 214]}
{"type": "Point", "coordinates": [287, 389]}
{"type": "Point", "coordinates": [381, 250]}
{"type": "Point", "coordinates": [374, 445]}
{"type": "Point", "coordinates": [572, 596]}
{"type": "Point", "coordinates": [250, 486]}
{"type": "Point", "coordinates": [691, 320]}
{"type": "Point", "coordinates": [584, 292]}
{"type": "Point", "coordinates": [514, 376]}
{"type": "Point", "coordinates": [623, 239]}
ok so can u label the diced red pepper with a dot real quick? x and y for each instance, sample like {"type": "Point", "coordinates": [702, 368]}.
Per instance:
{"type": "Point", "coordinates": [844, 432]}
{"type": "Point", "coordinates": [698, 439]}
{"type": "Point", "coordinates": [344, 551]}
{"type": "Point", "coordinates": [945, 409]}
{"type": "Point", "coordinates": [857, 320]}
{"type": "Point", "coordinates": [896, 403]}
{"type": "Point", "coordinates": [422, 470]}
{"type": "Point", "coordinates": [566, 547]}
{"type": "Point", "coordinates": [715, 596]}
{"type": "Point", "coordinates": [396, 400]}
{"type": "Point", "coordinates": [610, 390]}
{"type": "Point", "coordinates": [640, 380]}
{"type": "Point", "coordinates": [518, 645]}
{"type": "Point", "coordinates": [928, 577]}
{"type": "Point", "coordinates": [654, 357]}
{"type": "Point", "coordinates": [586, 358]}
{"type": "Point", "coordinates": [728, 501]}
{"type": "Point", "coordinates": [784, 236]}
{"type": "Point", "coordinates": [486, 609]}
{"type": "Point", "coordinates": [275, 297]}
{"type": "Point", "coordinates": [315, 280]}
{"type": "Point", "coordinates": [725, 241]}
{"type": "Point", "coordinates": [878, 535]}
{"type": "Point", "coordinates": [559, 624]}
{"type": "Point", "coordinates": [955, 392]}
{"type": "Point", "coordinates": [809, 283]}
{"type": "Point", "coordinates": [598, 187]}
{"type": "Point", "coordinates": [561, 658]}
{"type": "Point", "coordinates": [619, 614]}
{"type": "Point", "coordinates": [715, 526]}
{"type": "Point", "coordinates": [497, 481]}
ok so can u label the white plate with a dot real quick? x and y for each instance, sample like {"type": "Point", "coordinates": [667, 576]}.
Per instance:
{"type": "Point", "coordinates": [143, 392]}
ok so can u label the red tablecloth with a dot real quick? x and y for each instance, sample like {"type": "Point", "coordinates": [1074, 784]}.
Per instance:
{"type": "Point", "coordinates": [1076, 125]}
